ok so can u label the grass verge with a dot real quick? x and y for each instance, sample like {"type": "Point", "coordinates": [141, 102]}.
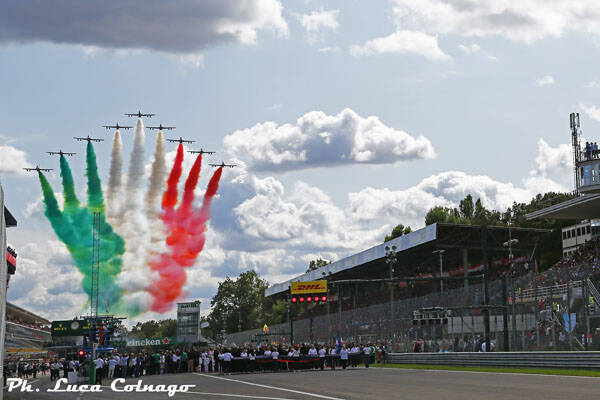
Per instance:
{"type": "Point", "coordinates": [538, 371]}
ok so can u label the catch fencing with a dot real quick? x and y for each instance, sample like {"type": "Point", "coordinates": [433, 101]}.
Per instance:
{"type": "Point", "coordinates": [539, 318]}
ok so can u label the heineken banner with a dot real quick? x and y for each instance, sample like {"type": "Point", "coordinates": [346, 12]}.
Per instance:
{"type": "Point", "coordinates": [135, 342]}
{"type": "Point", "coordinates": [70, 328]}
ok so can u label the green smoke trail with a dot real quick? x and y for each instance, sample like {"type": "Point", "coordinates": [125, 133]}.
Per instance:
{"type": "Point", "coordinates": [74, 227]}
{"type": "Point", "coordinates": [95, 200]}
{"type": "Point", "coordinates": [68, 184]}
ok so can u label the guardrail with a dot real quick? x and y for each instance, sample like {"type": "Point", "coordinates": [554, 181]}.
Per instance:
{"type": "Point", "coordinates": [552, 359]}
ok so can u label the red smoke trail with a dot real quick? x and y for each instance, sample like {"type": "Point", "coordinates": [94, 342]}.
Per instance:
{"type": "Point", "coordinates": [186, 228]}
{"type": "Point", "coordinates": [169, 199]}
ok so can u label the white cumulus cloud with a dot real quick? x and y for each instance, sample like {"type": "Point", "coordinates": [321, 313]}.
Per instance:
{"type": "Point", "coordinates": [12, 160]}
{"type": "Point", "coordinates": [546, 80]}
{"type": "Point", "coordinates": [319, 21]}
{"type": "Point", "coordinates": [521, 21]}
{"type": "Point", "coordinates": [402, 42]}
{"type": "Point", "coordinates": [318, 139]}
{"type": "Point", "coordinates": [591, 111]}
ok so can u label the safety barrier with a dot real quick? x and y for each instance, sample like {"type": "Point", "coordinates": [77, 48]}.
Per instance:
{"type": "Point", "coordinates": [554, 359]}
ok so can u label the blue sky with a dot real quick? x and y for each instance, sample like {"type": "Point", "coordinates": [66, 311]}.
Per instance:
{"type": "Point", "coordinates": [480, 82]}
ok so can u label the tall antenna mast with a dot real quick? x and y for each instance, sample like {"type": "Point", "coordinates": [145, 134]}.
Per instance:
{"type": "Point", "coordinates": [575, 134]}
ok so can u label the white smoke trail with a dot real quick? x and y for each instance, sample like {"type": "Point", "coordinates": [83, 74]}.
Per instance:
{"type": "Point", "coordinates": [113, 193]}
{"type": "Point", "coordinates": [134, 229]}
{"type": "Point", "coordinates": [158, 176]}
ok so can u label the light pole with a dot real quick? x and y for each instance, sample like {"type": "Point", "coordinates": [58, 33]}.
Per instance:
{"type": "Point", "coordinates": [441, 253]}
{"type": "Point", "coordinates": [509, 244]}
{"type": "Point", "coordinates": [390, 259]}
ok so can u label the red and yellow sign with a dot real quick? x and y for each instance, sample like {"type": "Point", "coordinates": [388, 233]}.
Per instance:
{"type": "Point", "coordinates": [309, 287]}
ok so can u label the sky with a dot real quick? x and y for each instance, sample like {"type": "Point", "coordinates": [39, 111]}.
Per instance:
{"type": "Point", "coordinates": [345, 117]}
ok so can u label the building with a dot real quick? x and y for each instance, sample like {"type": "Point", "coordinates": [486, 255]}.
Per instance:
{"type": "Point", "coordinates": [188, 322]}
{"type": "Point", "coordinates": [26, 333]}
{"type": "Point", "coordinates": [576, 235]}
{"type": "Point", "coordinates": [6, 220]}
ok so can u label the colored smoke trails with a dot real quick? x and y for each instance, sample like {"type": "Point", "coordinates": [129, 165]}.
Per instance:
{"type": "Point", "coordinates": [74, 227]}
{"type": "Point", "coordinates": [114, 178]}
{"type": "Point", "coordinates": [143, 260]}
{"type": "Point", "coordinates": [186, 228]}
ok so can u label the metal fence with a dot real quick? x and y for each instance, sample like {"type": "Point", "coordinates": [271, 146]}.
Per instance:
{"type": "Point", "coordinates": [545, 318]}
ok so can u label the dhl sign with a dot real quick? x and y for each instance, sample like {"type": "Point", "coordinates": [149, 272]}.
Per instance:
{"type": "Point", "coordinates": [309, 287]}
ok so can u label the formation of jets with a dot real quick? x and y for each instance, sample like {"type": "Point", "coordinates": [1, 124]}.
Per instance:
{"type": "Point", "coordinates": [160, 127]}
{"type": "Point", "coordinates": [62, 153]}
{"type": "Point", "coordinates": [139, 114]}
{"type": "Point", "coordinates": [88, 138]}
{"type": "Point", "coordinates": [223, 165]}
{"type": "Point", "coordinates": [116, 126]}
{"type": "Point", "coordinates": [38, 169]}
{"type": "Point", "coordinates": [180, 140]}
{"type": "Point", "coordinates": [200, 151]}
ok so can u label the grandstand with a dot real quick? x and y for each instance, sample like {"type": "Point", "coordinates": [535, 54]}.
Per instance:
{"type": "Point", "coordinates": [26, 332]}
{"type": "Point", "coordinates": [363, 311]}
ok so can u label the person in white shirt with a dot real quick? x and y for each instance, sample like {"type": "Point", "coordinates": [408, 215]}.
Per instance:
{"type": "Point", "coordinates": [344, 356]}
{"type": "Point", "coordinates": [124, 363]}
{"type": "Point", "coordinates": [367, 352]}
{"type": "Point", "coordinates": [99, 364]}
{"type": "Point", "coordinates": [322, 353]}
{"type": "Point", "coordinates": [227, 356]}
{"type": "Point", "coordinates": [112, 363]}
{"type": "Point", "coordinates": [332, 360]}
{"type": "Point", "coordinates": [206, 360]}
{"type": "Point", "coordinates": [355, 351]}
{"type": "Point", "coordinates": [312, 351]}
{"type": "Point", "coordinates": [275, 356]}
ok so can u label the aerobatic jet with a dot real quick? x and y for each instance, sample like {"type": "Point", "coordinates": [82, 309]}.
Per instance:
{"type": "Point", "coordinates": [62, 153]}
{"type": "Point", "coordinates": [140, 114]}
{"type": "Point", "coordinates": [180, 140]}
{"type": "Point", "coordinates": [223, 165]}
{"type": "Point", "coordinates": [160, 127]}
{"type": "Point", "coordinates": [200, 151]}
{"type": "Point", "coordinates": [38, 169]}
{"type": "Point", "coordinates": [88, 138]}
{"type": "Point", "coordinates": [116, 126]}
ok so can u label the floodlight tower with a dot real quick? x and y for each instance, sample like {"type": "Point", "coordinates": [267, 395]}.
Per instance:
{"type": "Point", "coordinates": [95, 267]}
{"type": "Point", "coordinates": [575, 134]}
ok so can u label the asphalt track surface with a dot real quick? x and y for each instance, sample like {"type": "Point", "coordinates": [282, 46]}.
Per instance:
{"type": "Point", "coordinates": [373, 383]}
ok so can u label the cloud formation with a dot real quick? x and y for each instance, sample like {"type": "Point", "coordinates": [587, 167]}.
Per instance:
{"type": "Point", "coordinates": [591, 111]}
{"type": "Point", "coordinates": [523, 21]}
{"type": "Point", "coordinates": [318, 21]}
{"type": "Point", "coordinates": [318, 139]}
{"type": "Point", "coordinates": [12, 160]}
{"type": "Point", "coordinates": [546, 80]}
{"type": "Point", "coordinates": [179, 26]}
{"type": "Point", "coordinates": [402, 42]}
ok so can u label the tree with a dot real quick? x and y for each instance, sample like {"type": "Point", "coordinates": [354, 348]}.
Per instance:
{"type": "Point", "coordinates": [398, 231]}
{"type": "Point", "coordinates": [152, 328]}
{"type": "Point", "coordinates": [467, 207]}
{"type": "Point", "coordinates": [239, 303]}
{"type": "Point", "coordinates": [316, 264]}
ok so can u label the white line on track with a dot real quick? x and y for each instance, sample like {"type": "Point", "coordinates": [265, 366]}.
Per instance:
{"type": "Point", "coordinates": [239, 395]}
{"type": "Point", "coordinates": [485, 372]}
{"type": "Point", "coordinates": [270, 387]}
{"type": "Point", "coordinates": [226, 395]}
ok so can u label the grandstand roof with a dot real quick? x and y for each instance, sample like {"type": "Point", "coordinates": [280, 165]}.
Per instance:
{"type": "Point", "coordinates": [414, 252]}
{"type": "Point", "coordinates": [582, 207]}
{"type": "Point", "coordinates": [27, 316]}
